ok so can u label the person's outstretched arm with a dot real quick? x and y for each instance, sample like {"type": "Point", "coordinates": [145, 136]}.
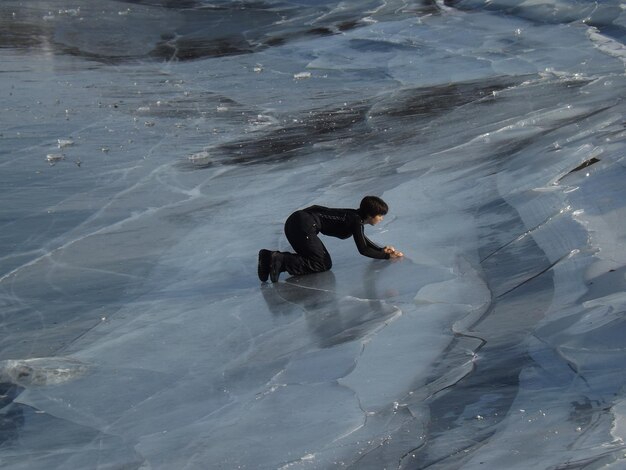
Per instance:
{"type": "Point", "coordinates": [366, 247]}
{"type": "Point", "coordinates": [390, 250]}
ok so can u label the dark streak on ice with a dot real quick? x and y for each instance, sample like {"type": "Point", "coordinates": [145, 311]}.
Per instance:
{"type": "Point", "coordinates": [582, 166]}
{"type": "Point", "coordinates": [433, 101]}
{"type": "Point", "coordinates": [315, 127]}
{"type": "Point", "coordinates": [359, 123]}
{"type": "Point", "coordinates": [201, 31]}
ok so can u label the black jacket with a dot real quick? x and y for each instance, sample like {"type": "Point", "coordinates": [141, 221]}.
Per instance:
{"type": "Point", "coordinates": [345, 223]}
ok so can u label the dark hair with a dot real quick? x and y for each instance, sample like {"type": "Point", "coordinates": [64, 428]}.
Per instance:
{"type": "Point", "coordinates": [371, 206]}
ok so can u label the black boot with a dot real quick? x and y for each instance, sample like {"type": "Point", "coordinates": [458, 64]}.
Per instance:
{"type": "Point", "coordinates": [265, 262]}
{"type": "Point", "coordinates": [276, 266]}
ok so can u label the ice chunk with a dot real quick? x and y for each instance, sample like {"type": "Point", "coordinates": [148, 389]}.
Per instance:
{"type": "Point", "coordinates": [39, 372]}
{"type": "Point", "coordinates": [53, 158]}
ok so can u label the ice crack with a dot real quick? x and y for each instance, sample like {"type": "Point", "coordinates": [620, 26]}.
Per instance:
{"type": "Point", "coordinates": [570, 254]}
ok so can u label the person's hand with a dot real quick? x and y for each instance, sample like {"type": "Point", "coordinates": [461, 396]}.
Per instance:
{"type": "Point", "coordinates": [392, 252]}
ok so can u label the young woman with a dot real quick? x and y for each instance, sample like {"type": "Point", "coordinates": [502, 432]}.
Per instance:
{"type": "Point", "coordinates": [302, 229]}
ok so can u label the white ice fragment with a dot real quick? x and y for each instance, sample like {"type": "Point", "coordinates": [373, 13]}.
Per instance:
{"type": "Point", "coordinates": [65, 143]}
{"type": "Point", "coordinates": [302, 75]}
{"type": "Point", "coordinates": [262, 120]}
{"type": "Point", "coordinates": [41, 371]}
{"type": "Point", "coordinates": [200, 158]}
{"type": "Point", "coordinates": [149, 123]}
{"type": "Point", "coordinates": [606, 44]}
{"type": "Point", "coordinates": [221, 108]}
{"type": "Point", "coordinates": [304, 458]}
{"type": "Point", "coordinates": [479, 417]}
{"type": "Point", "coordinates": [258, 68]}
{"type": "Point", "coordinates": [617, 301]}
{"type": "Point", "coordinates": [618, 430]}
{"type": "Point", "coordinates": [70, 12]}
{"type": "Point", "coordinates": [54, 157]}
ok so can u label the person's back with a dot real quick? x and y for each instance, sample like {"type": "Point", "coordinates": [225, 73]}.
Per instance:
{"type": "Point", "coordinates": [339, 223]}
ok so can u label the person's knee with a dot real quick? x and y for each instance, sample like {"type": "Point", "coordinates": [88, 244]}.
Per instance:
{"type": "Point", "coordinates": [325, 264]}
{"type": "Point", "coordinates": [320, 265]}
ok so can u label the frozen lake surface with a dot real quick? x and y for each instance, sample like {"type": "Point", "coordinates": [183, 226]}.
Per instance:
{"type": "Point", "coordinates": [151, 148]}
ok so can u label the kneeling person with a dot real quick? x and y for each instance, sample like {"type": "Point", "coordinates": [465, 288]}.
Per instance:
{"type": "Point", "coordinates": [302, 229]}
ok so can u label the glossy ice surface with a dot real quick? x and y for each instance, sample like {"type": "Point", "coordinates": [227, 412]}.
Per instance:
{"type": "Point", "coordinates": [149, 149]}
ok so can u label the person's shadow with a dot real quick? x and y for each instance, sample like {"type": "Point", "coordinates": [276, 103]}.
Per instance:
{"type": "Point", "coordinates": [332, 318]}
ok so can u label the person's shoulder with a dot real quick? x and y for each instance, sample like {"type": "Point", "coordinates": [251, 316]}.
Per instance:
{"type": "Point", "coordinates": [353, 216]}
{"type": "Point", "coordinates": [348, 212]}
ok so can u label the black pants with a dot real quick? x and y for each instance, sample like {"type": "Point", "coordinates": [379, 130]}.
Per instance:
{"type": "Point", "coordinates": [311, 254]}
